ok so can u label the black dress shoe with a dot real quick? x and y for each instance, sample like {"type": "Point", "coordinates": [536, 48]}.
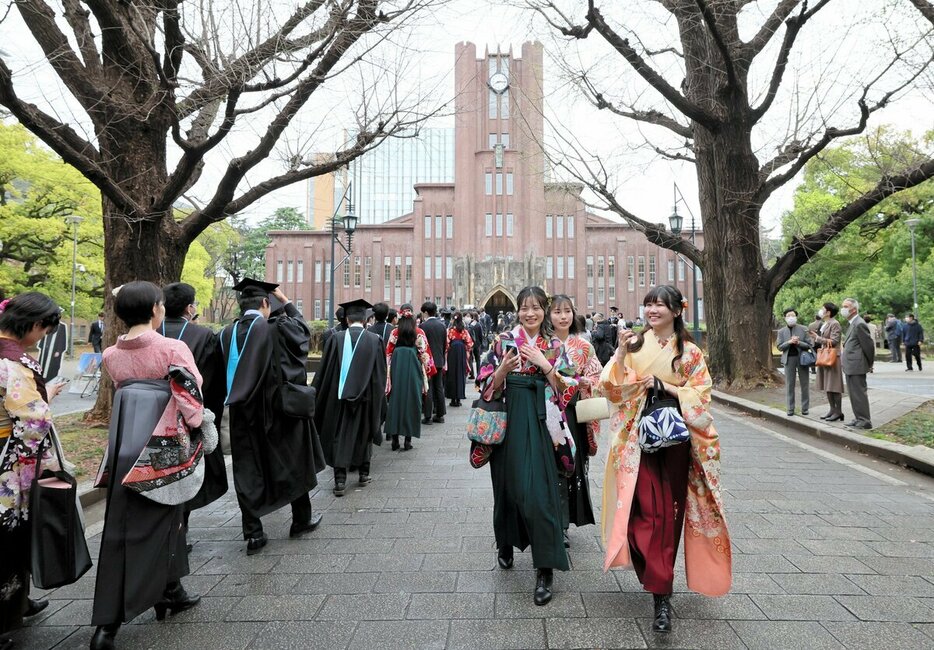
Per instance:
{"type": "Point", "coordinates": [299, 529]}
{"type": "Point", "coordinates": [662, 622]}
{"type": "Point", "coordinates": [254, 544]}
{"type": "Point", "coordinates": [790, 413]}
{"type": "Point", "coordinates": [104, 635]}
{"type": "Point", "coordinates": [365, 478]}
{"type": "Point", "coordinates": [35, 606]}
{"type": "Point", "coordinates": [504, 557]}
{"type": "Point", "coordinates": [804, 412]}
{"type": "Point", "coordinates": [543, 582]}
{"type": "Point", "coordinates": [438, 420]}
{"type": "Point", "coordinates": [835, 418]}
{"type": "Point", "coordinates": [426, 421]}
{"type": "Point", "coordinates": [339, 488]}
{"type": "Point", "coordinates": [851, 423]}
{"type": "Point", "coordinates": [175, 599]}
{"type": "Point", "coordinates": [408, 445]}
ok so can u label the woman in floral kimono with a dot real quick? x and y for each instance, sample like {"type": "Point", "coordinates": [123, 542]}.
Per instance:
{"type": "Point", "coordinates": [410, 365]}
{"type": "Point", "coordinates": [526, 365]}
{"type": "Point", "coordinates": [25, 423]}
{"type": "Point", "coordinates": [648, 497]}
{"type": "Point", "coordinates": [578, 509]}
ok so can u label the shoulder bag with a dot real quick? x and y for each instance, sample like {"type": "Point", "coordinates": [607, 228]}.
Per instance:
{"type": "Point", "coordinates": [661, 424]}
{"type": "Point", "coordinates": [806, 358]}
{"type": "Point", "coordinates": [826, 356]}
{"type": "Point", "coordinates": [486, 423]}
{"type": "Point", "coordinates": [59, 552]}
{"type": "Point", "coordinates": [294, 400]}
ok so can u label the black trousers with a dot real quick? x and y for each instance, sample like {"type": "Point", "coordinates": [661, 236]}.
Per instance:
{"type": "Point", "coordinates": [253, 525]}
{"type": "Point", "coordinates": [340, 473]}
{"type": "Point", "coordinates": [913, 351]}
{"type": "Point", "coordinates": [433, 403]}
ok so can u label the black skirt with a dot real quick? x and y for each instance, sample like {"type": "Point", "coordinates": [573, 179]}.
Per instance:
{"type": "Point", "coordinates": [455, 381]}
{"type": "Point", "coordinates": [580, 507]}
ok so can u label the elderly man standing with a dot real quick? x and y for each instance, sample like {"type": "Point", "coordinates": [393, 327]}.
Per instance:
{"type": "Point", "coordinates": [859, 353]}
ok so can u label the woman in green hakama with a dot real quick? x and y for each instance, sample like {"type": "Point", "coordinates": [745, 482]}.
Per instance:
{"type": "Point", "coordinates": [410, 364]}
{"type": "Point", "coordinates": [526, 502]}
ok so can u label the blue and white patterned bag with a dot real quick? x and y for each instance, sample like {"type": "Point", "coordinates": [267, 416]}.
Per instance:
{"type": "Point", "coordinates": [662, 424]}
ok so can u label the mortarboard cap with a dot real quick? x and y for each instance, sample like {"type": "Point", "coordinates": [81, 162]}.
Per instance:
{"type": "Point", "coordinates": [355, 307]}
{"type": "Point", "coordinates": [250, 288]}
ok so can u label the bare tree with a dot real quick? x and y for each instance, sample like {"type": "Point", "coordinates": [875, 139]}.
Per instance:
{"type": "Point", "coordinates": [710, 106]}
{"type": "Point", "coordinates": [164, 84]}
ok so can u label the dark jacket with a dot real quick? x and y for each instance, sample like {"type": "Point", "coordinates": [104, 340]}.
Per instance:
{"type": "Point", "coordinates": [603, 338]}
{"type": "Point", "coordinates": [913, 333]}
{"type": "Point", "coordinates": [96, 333]}
{"type": "Point", "coordinates": [437, 335]}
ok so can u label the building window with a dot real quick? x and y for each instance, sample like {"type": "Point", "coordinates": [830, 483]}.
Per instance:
{"type": "Point", "coordinates": [299, 305]}
{"type": "Point", "coordinates": [504, 139]}
{"type": "Point", "coordinates": [408, 279]}
{"type": "Point", "coordinates": [427, 268]}
{"type": "Point", "coordinates": [368, 273]}
{"type": "Point", "coordinates": [549, 268]}
{"type": "Point", "coordinates": [317, 309]}
{"type": "Point", "coordinates": [570, 227]}
{"type": "Point", "coordinates": [504, 105]}
{"type": "Point", "coordinates": [509, 224]}
{"type": "Point", "coordinates": [449, 226]}
{"type": "Point", "coordinates": [548, 226]}
{"type": "Point", "coordinates": [488, 183]}
{"type": "Point", "coordinates": [680, 269]}
{"type": "Point", "coordinates": [317, 270]}
{"type": "Point", "coordinates": [427, 227]}
{"type": "Point", "coordinates": [499, 183]}
{"type": "Point", "coordinates": [700, 275]}
{"type": "Point", "coordinates": [671, 270]}
{"type": "Point", "coordinates": [590, 275]}
{"type": "Point", "coordinates": [571, 267]}
{"type": "Point", "coordinates": [300, 271]}
{"type": "Point", "coordinates": [631, 269]}
{"type": "Point", "coordinates": [449, 268]}
{"type": "Point", "coordinates": [347, 273]}
{"type": "Point", "coordinates": [642, 270]}
{"type": "Point", "coordinates": [491, 141]}
{"type": "Point", "coordinates": [560, 268]}
{"type": "Point", "coordinates": [327, 308]}
{"type": "Point", "coordinates": [356, 271]}
{"type": "Point", "coordinates": [489, 225]}
{"type": "Point", "coordinates": [510, 183]}
{"type": "Point", "coordinates": [438, 267]}
{"type": "Point", "coordinates": [590, 297]}
{"type": "Point", "coordinates": [651, 270]}
{"type": "Point", "coordinates": [327, 273]}
{"type": "Point", "coordinates": [387, 277]}
{"type": "Point", "coordinates": [438, 227]}
{"type": "Point", "coordinates": [601, 281]}
{"type": "Point", "coordinates": [279, 271]}
{"type": "Point", "coordinates": [493, 101]}
{"type": "Point", "coordinates": [611, 275]}
{"type": "Point", "coordinates": [499, 225]}
{"type": "Point", "coordinates": [290, 271]}
{"type": "Point", "coordinates": [560, 226]}
{"type": "Point", "coordinates": [700, 309]}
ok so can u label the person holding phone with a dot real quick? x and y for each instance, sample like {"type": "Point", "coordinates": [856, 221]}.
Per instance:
{"type": "Point", "coordinates": [523, 364]}
{"type": "Point", "coordinates": [25, 424]}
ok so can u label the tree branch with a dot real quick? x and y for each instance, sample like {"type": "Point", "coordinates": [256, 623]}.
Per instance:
{"type": "Point", "coordinates": [926, 9]}
{"type": "Point", "coordinates": [711, 21]}
{"type": "Point", "coordinates": [804, 248]}
{"type": "Point", "coordinates": [650, 116]}
{"type": "Point", "coordinates": [77, 17]}
{"type": "Point", "coordinates": [769, 28]}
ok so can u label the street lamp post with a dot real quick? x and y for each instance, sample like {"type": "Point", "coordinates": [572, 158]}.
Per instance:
{"type": "Point", "coordinates": [912, 224]}
{"type": "Point", "coordinates": [349, 223]}
{"type": "Point", "coordinates": [73, 220]}
{"type": "Point", "coordinates": [675, 221]}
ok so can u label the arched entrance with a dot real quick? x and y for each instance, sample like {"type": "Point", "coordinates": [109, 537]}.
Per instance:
{"type": "Point", "coordinates": [498, 300]}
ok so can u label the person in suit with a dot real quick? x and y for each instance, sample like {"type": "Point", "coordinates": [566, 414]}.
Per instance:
{"type": "Point", "coordinates": [792, 341]}
{"type": "Point", "coordinates": [433, 408]}
{"type": "Point", "coordinates": [830, 378]}
{"type": "Point", "coordinates": [859, 353]}
{"type": "Point", "coordinates": [96, 334]}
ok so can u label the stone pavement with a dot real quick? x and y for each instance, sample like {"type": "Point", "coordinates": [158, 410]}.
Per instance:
{"type": "Point", "coordinates": [828, 553]}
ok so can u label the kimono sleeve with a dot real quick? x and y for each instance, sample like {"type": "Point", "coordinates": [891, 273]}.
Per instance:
{"type": "Point", "coordinates": [619, 383]}
{"type": "Point", "coordinates": [424, 353]}
{"type": "Point", "coordinates": [29, 414]}
{"type": "Point", "coordinates": [488, 366]}
{"type": "Point", "coordinates": [694, 395]}
{"type": "Point", "coordinates": [186, 386]}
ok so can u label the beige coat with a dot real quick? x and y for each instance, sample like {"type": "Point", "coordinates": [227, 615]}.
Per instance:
{"type": "Point", "coordinates": [830, 379]}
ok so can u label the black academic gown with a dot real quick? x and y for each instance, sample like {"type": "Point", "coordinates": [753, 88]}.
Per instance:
{"type": "Point", "coordinates": [203, 345]}
{"type": "Point", "coordinates": [349, 425]}
{"type": "Point", "coordinates": [51, 349]}
{"type": "Point", "coordinates": [276, 458]}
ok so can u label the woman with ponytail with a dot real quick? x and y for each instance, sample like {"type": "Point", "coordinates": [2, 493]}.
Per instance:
{"type": "Point", "coordinates": [649, 497]}
{"type": "Point", "coordinates": [458, 348]}
{"type": "Point", "coordinates": [409, 367]}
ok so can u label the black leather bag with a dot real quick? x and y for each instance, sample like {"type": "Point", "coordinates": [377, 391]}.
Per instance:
{"type": "Point", "coordinates": [59, 552]}
{"type": "Point", "coordinates": [297, 401]}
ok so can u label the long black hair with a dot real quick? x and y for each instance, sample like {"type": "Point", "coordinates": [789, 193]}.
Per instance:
{"type": "Point", "coordinates": [25, 310]}
{"type": "Point", "coordinates": [405, 330]}
{"type": "Point", "coordinates": [558, 300]}
{"type": "Point", "coordinates": [457, 321]}
{"type": "Point", "coordinates": [672, 299]}
{"type": "Point", "coordinates": [538, 295]}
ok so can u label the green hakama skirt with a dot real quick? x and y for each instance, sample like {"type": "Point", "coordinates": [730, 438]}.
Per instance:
{"type": "Point", "coordinates": [527, 506]}
{"type": "Point", "coordinates": [404, 412]}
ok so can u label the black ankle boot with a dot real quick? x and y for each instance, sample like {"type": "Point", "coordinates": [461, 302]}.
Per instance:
{"type": "Point", "coordinates": [504, 557]}
{"type": "Point", "coordinates": [395, 443]}
{"type": "Point", "coordinates": [543, 582]}
{"type": "Point", "coordinates": [104, 635]}
{"type": "Point", "coordinates": [662, 622]}
{"type": "Point", "coordinates": [175, 599]}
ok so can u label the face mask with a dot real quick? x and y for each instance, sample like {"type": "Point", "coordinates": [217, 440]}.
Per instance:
{"type": "Point", "coordinates": [822, 313]}
{"type": "Point", "coordinates": [845, 312]}
{"type": "Point", "coordinates": [791, 320]}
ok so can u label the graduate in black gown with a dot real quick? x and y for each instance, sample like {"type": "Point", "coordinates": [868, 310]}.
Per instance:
{"type": "Point", "coordinates": [180, 311]}
{"type": "Point", "coordinates": [51, 349]}
{"type": "Point", "coordinates": [276, 457]}
{"type": "Point", "coordinates": [352, 396]}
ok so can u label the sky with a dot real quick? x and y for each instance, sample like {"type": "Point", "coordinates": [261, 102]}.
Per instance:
{"type": "Point", "coordinates": [419, 61]}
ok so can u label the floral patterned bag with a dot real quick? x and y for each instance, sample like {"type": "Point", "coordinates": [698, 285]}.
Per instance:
{"type": "Point", "coordinates": [486, 423]}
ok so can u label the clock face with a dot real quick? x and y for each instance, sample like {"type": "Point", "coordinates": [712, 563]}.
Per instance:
{"type": "Point", "coordinates": [499, 82]}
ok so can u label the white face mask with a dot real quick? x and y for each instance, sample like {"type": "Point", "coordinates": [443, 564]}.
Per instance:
{"type": "Point", "coordinates": [791, 320]}
{"type": "Point", "coordinates": [845, 312]}
{"type": "Point", "coordinates": [822, 313]}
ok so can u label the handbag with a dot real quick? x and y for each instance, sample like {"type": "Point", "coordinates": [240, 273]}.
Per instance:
{"type": "Point", "coordinates": [59, 553]}
{"type": "Point", "coordinates": [826, 356]}
{"type": "Point", "coordinates": [592, 409]}
{"type": "Point", "coordinates": [661, 424]}
{"type": "Point", "coordinates": [293, 400]}
{"type": "Point", "coordinates": [486, 423]}
{"type": "Point", "coordinates": [806, 358]}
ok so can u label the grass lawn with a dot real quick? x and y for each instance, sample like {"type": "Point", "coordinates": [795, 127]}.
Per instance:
{"type": "Point", "coordinates": [915, 428]}
{"type": "Point", "coordinates": [84, 446]}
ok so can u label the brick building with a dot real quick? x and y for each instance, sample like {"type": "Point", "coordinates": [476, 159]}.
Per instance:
{"type": "Point", "coordinates": [498, 227]}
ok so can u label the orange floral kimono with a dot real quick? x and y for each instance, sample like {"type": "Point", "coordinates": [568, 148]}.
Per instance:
{"type": "Point", "coordinates": [707, 552]}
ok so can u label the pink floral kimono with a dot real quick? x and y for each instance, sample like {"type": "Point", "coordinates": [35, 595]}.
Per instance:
{"type": "Point", "coordinates": [707, 552]}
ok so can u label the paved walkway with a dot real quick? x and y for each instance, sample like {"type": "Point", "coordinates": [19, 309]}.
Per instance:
{"type": "Point", "coordinates": [827, 554]}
